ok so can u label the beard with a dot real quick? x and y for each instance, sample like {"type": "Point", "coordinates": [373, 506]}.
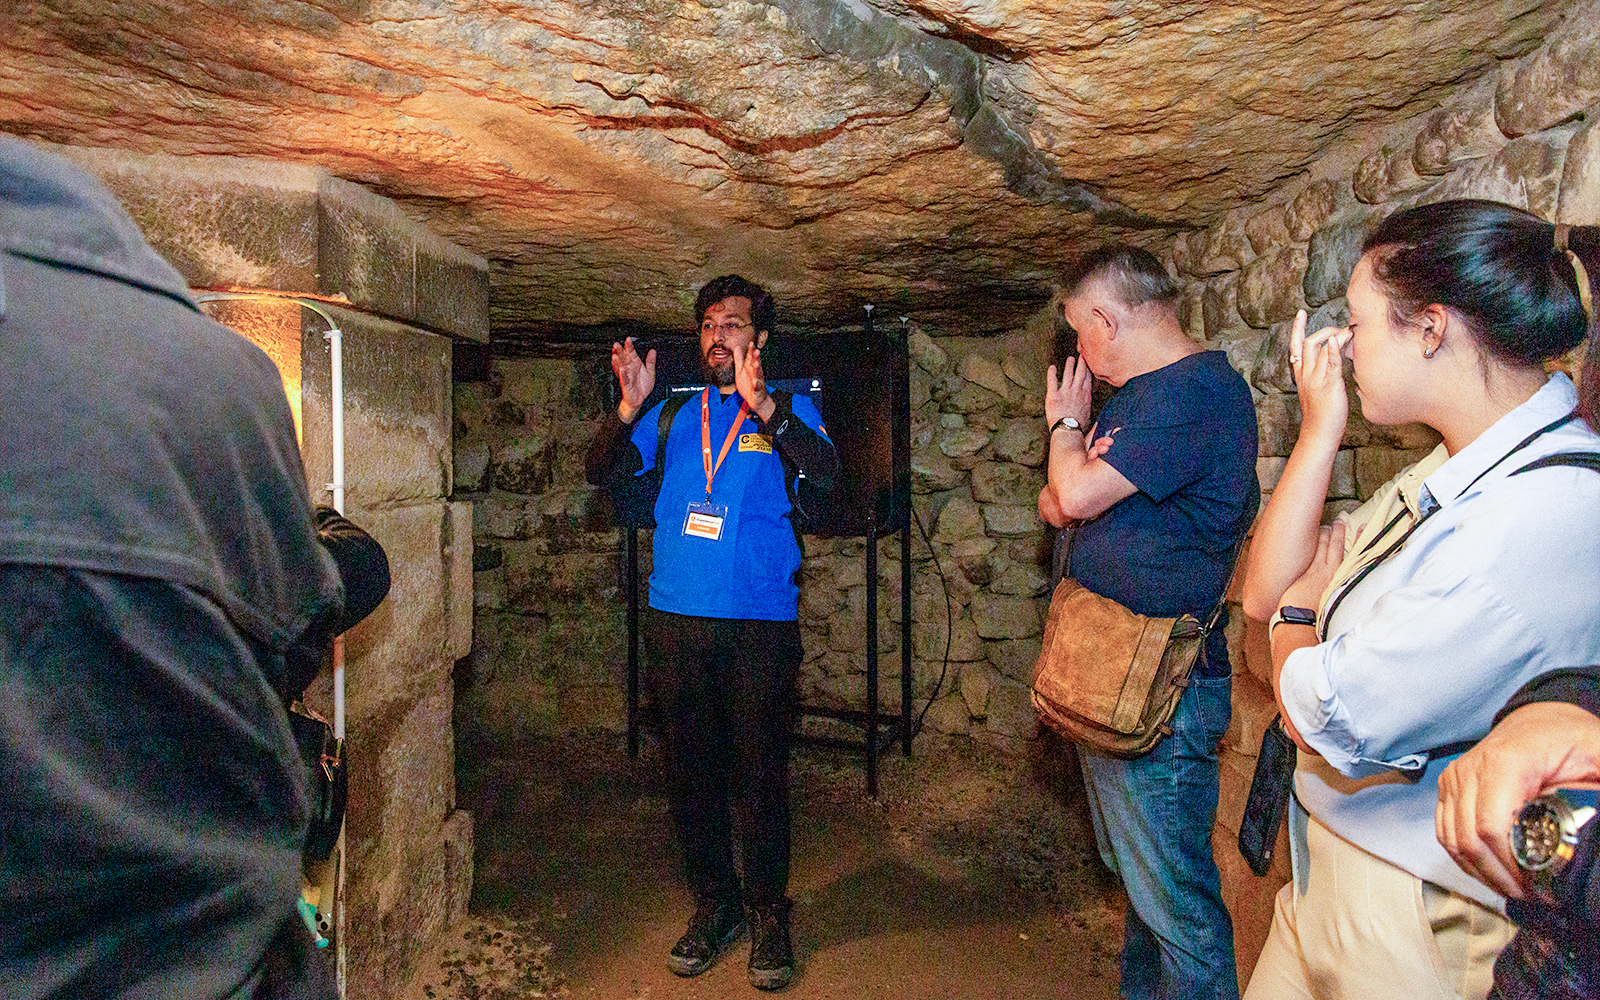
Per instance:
{"type": "Point", "coordinates": [721, 375]}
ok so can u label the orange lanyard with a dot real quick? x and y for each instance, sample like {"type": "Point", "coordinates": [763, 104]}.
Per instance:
{"type": "Point", "coordinates": [705, 435]}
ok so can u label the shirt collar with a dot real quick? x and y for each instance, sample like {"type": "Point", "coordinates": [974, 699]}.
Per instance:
{"type": "Point", "coordinates": [1555, 399]}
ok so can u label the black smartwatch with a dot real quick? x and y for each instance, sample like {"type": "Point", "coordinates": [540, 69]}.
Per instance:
{"type": "Point", "coordinates": [1294, 616]}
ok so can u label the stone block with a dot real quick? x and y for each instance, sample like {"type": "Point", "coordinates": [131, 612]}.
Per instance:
{"type": "Point", "coordinates": [397, 416]}
{"type": "Point", "coordinates": [1462, 130]}
{"type": "Point", "coordinates": [1257, 650]}
{"type": "Point", "coordinates": [1525, 172]}
{"type": "Point", "coordinates": [1022, 441]}
{"type": "Point", "coordinates": [1025, 373]}
{"type": "Point", "coordinates": [1006, 483]}
{"type": "Point", "coordinates": [457, 837]}
{"type": "Point", "coordinates": [457, 540]}
{"type": "Point", "coordinates": [1220, 305]}
{"type": "Point", "coordinates": [1278, 423]}
{"type": "Point", "coordinates": [1270, 288]}
{"type": "Point", "coordinates": [961, 518]}
{"type": "Point", "coordinates": [979, 559]}
{"type": "Point", "coordinates": [1227, 247]}
{"type": "Point", "coordinates": [223, 222]}
{"type": "Point", "coordinates": [1342, 481]}
{"type": "Point", "coordinates": [1014, 658]}
{"type": "Point", "coordinates": [962, 441]}
{"type": "Point", "coordinates": [948, 715]}
{"type": "Point", "coordinates": [1011, 710]}
{"type": "Point", "coordinates": [1268, 229]}
{"type": "Point", "coordinates": [929, 636]}
{"type": "Point", "coordinates": [1386, 173]}
{"type": "Point", "coordinates": [1332, 254]}
{"type": "Point", "coordinates": [1271, 371]}
{"type": "Point", "coordinates": [1000, 616]}
{"type": "Point", "coordinates": [231, 222]}
{"type": "Point", "coordinates": [398, 651]}
{"type": "Point", "coordinates": [1242, 345]}
{"type": "Point", "coordinates": [1376, 466]}
{"type": "Point", "coordinates": [593, 706]}
{"type": "Point", "coordinates": [977, 680]}
{"type": "Point", "coordinates": [1023, 579]}
{"type": "Point", "coordinates": [932, 472]}
{"type": "Point", "coordinates": [1552, 84]}
{"type": "Point", "coordinates": [1579, 201]}
{"type": "Point", "coordinates": [929, 356]}
{"type": "Point", "coordinates": [985, 372]}
{"type": "Point", "coordinates": [1012, 519]}
{"type": "Point", "coordinates": [1191, 311]}
{"type": "Point", "coordinates": [1269, 470]}
{"type": "Point", "coordinates": [1310, 208]}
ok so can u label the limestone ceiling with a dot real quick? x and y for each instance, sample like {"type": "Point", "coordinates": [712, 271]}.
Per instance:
{"type": "Point", "coordinates": [937, 157]}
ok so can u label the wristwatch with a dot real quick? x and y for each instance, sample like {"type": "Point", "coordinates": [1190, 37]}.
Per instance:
{"type": "Point", "coordinates": [1070, 423]}
{"type": "Point", "coordinates": [1545, 835]}
{"type": "Point", "coordinates": [1293, 615]}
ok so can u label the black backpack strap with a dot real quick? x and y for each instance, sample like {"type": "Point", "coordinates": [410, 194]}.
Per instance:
{"type": "Point", "coordinates": [669, 412]}
{"type": "Point", "coordinates": [786, 398]}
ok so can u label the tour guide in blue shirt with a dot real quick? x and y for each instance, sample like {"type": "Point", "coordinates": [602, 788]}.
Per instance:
{"type": "Point", "coordinates": [721, 636]}
{"type": "Point", "coordinates": [1165, 491]}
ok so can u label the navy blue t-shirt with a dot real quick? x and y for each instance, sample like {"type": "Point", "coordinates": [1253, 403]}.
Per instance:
{"type": "Point", "coordinates": [1185, 435]}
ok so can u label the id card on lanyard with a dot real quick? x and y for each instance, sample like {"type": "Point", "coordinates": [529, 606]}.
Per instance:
{"type": "Point", "coordinates": [706, 519]}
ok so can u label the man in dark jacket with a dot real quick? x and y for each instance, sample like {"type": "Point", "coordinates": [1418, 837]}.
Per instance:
{"type": "Point", "coordinates": [1547, 737]}
{"type": "Point", "coordinates": [158, 567]}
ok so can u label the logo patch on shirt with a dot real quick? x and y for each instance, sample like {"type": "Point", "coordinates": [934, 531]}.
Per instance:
{"type": "Point", "coordinates": [755, 442]}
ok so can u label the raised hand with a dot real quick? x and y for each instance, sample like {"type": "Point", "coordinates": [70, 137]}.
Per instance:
{"type": "Point", "coordinates": [1318, 365]}
{"type": "Point", "coordinates": [636, 378]}
{"type": "Point", "coordinates": [751, 382]}
{"type": "Point", "coordinates": [1070, 397]}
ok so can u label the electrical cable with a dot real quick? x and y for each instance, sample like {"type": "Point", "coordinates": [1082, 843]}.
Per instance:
{"type": "Point", "coordinates": [949, 622]}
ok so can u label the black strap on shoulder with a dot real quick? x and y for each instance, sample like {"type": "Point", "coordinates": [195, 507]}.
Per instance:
{"type": "Point", "coordinates": [1576, 459]}
{"type": "Point", "coordinates": [1579, 459]}
{"type": "Point", "coordinates": [669, 412]}
{"type": "Point", "coordinates": [784, 396]}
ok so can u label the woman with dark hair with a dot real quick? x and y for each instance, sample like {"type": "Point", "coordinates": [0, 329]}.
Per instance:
{"type": "Point", "coordinates": [1400, 629]}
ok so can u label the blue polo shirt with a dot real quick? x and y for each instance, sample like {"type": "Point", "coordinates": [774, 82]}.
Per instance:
{"type": "Point", "coordinates": [750, 572]}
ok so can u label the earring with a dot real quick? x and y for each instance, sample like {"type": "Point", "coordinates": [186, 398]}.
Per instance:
{"type": "Point", "coordinates": [1428, 352]}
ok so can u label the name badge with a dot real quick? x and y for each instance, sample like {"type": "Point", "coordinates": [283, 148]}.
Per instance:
{"type": "Point", "coordinates": [755, 442]}
{"type": "Point", "coordinates": [705, 520]}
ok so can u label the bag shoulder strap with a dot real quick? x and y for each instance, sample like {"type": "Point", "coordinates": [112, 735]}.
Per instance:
{"type": "Point", "coordinates": [669, 413]}
{"type": "Point", "coordinates": [1578, 459]}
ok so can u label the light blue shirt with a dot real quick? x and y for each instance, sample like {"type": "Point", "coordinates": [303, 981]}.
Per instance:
{"type": "Point", "coordinates": [1500, 584]}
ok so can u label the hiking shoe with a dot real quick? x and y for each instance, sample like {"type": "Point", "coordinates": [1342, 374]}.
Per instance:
{"type": "Point", "coordinates": [713, 926]}
{"type": "Point", "coordinates": [771, 951]}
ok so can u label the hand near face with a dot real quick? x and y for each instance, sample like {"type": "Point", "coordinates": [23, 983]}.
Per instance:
{"type": "Point", "coordinates": [636, 378]}
{"type": "Point", "coordinates": [1537, 748]}
{"type": "Point", "coordinates": [1318, 365]}
{"type": "Point", "coordinates": [751, 382]}
{"type": "Point", "coordinates": [1070, 397]}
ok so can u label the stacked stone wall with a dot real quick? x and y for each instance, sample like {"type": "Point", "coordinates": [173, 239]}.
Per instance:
{"type": "Point", "coordinates": [1528, 134]}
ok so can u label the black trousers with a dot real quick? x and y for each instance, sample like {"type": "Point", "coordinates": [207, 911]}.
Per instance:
{"type": "Point", "coordinates": [725, 691]}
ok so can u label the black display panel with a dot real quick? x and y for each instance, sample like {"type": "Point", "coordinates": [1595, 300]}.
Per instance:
{"type": "Point", "coordinates": [860, 381]}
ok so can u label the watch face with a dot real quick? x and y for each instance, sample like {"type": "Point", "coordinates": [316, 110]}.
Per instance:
{"type": "Point", "coordinates": [1545, 835]}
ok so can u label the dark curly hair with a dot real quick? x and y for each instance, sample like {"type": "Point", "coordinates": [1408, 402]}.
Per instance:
{"type": "Point", "coordinates": [763, 311]}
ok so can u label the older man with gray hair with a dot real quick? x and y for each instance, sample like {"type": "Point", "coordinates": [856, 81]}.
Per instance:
{"type": "Point", "coordinates": [1163, 488]}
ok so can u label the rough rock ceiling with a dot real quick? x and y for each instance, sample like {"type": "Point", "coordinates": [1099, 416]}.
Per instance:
{"type": "Point", "coordinates": [939, 158]}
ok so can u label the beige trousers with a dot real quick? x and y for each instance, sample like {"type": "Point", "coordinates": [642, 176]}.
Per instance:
{"type": "Point", "coordinates": [1366, 929]}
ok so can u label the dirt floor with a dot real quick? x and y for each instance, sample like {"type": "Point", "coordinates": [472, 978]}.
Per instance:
{"type": "Point", "coordinates": [971, 875]}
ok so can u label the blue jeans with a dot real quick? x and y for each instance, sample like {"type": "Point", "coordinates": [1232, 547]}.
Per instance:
{"type": "Point", "coordinates": [1152, 821]}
